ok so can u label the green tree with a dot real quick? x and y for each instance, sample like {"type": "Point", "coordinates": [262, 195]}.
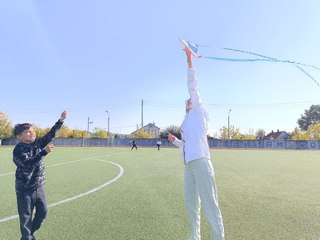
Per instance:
{"type": "Point", "coordinates": [5, 126]}
{"type": "Point", "coordinates": [309, 117]}
{"type": "Point", "coordinates": [117, 135]}
{"type": "Point", "coordinates": [260, 134]}
{"type": "Point", "coordinates": [174, 130]}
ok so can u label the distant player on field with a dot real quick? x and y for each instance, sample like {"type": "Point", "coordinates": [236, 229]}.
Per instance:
{"type": "Point", "coordinates": [134, 145]}
{"type": "Point", "coordinates": [159, 144]}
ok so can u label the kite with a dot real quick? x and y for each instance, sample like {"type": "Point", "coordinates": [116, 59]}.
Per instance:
{"type": "Point", "coordinates": [193, 47]}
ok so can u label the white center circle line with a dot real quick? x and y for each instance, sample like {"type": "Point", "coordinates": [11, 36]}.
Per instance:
{"type": "Point", "coordinates": [81, 194]}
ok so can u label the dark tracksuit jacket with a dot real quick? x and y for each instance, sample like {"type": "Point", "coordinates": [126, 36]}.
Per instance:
{"type": "Point", "coordinates": [28, 158]}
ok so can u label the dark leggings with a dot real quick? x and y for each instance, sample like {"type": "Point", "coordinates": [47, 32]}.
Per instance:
{"type": "Point", "coordinates": [134, 146]}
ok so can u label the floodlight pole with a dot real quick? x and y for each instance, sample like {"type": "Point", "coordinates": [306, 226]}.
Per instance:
{"type": "Point", "coordinates": [89, 124]}
{"type": "Point", "coordinates": [108, 120]}
{"type": "Point", "coordinates": [229, 126]}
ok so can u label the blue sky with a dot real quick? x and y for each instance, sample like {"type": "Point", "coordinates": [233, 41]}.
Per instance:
{"type": "Point", "coordinates": [91, 56]}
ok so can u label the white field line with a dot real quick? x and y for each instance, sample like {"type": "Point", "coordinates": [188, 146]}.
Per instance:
{"type": "Point", "coordinates": [94, 189]}
{"type": "Point", "coordinates": [54, 165]}
{"type": "Point", "coordinates": [81, 194]}
{"type": "Point", "coordinates": [59, 164]}
{"type": "Point", "coordinates": [5, 174]}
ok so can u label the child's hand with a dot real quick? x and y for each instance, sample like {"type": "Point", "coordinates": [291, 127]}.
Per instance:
{"type": "Point", "coordinates": [49, 148]}
{"type": "Point", "coordinates": [63, 116]}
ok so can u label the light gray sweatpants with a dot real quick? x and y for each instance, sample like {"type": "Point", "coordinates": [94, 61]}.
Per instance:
{"type": "Point", "coordinates": [200, 188]}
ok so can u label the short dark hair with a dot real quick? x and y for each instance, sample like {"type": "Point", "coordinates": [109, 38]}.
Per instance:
{"type": "Point", "coordinates": [19, 128]}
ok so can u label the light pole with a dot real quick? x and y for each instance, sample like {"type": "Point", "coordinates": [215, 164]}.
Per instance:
{"type": "Point", "coordinates": [229, 126]}
{"type": "Point", "coordinates": [89, 124]}
{"type": "Point", "coordinates": [108, 120]}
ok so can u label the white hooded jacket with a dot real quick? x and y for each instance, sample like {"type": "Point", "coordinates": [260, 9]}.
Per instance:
{"type": "Point", "coordinates": [194, 128]}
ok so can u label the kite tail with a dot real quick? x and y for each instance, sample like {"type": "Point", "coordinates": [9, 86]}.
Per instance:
{"type": "Point", "coordinates": [262, 58]}
{"type": "Point", "coordinates": [270, 59]}
{"type": "Point", "coordinates": [251, 53]}
{"type": "Point", "coordinates": [241, 59]}
{"type": "Point", "coordinates": [275, 59]}
{"type": "Point", "coordinates": [306, 73]}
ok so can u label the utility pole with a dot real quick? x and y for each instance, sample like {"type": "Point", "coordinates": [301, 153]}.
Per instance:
{"type": "Point", "coordinates": [108, 121]}
{"type": "Point", "coordinates": [229, 126]}
{"type": "Point", "coordinates": [89, 125]}
{"type": "Point", "coordinates": [142, 113]}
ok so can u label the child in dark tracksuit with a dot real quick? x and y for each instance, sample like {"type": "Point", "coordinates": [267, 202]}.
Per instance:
{"type": "Point", "coordinates": [28, 156]}
{"type": "Point", "coordinates": [134, 145]}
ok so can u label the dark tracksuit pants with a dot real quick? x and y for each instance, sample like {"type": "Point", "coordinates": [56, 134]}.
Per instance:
{"type": "Point", "coordinates": [27, 201]}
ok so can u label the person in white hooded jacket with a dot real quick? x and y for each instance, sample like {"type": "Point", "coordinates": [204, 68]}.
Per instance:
{"type": "Point", "coordinates": [199, 180]}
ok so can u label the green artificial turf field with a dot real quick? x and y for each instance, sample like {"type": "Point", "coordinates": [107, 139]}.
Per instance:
{"type": "Point", "coordinates": [117, 194]}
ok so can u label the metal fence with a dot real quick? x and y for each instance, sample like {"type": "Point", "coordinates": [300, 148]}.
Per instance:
{"type": "Point", "coordinates": [213, 143]}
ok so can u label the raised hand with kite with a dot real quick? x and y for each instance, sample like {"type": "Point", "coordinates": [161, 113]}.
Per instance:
{"type": "Point", "coordinates": [199, 180]}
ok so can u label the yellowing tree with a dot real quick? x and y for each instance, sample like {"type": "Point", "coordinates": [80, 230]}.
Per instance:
{"type": "Point", "coordinates": [297, 134]}
{"type": "Point", "coordinates": [76, 133]}
{"type": "Point", "coordinates": [5, 126]}
{"type": "Point", "coordinates": [313, 131]}
{"type": "Point", "coordinates": [234, 133]}
{"type": "Point", "coordinates": [64, 132]}
{"type": "Point", "coordinates": [140, 134]}
{"type": "Point", "coordinates": [223, 133]}
{"type": "Point", "coordinates": [100, 133]}
{"type": "Point", "coordinates": [40, 131]}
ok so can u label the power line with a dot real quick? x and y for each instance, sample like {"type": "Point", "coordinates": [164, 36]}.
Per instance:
{"type": "Point", "coordinates": [157, 103]}
{"type": "Point", "coordinates": [260, 105]}
{"type": "Point", "coordinates": [169, 104]}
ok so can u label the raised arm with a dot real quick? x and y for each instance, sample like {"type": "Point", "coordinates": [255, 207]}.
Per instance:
{"type": "Point", "coordinates": [52, 133]}
{"type": "Point", "coordinates": [189, 58]}
{"type": "Point", "coordinates": [192, 81]}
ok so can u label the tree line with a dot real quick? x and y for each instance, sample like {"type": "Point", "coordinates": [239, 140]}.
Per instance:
{"type": "Point", "coordinates": [308, 129]}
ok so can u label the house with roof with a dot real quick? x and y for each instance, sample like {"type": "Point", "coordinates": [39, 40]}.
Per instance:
{"type": "Point", "coordinates": [150, 128]}
{"type": "Point", "coordinates": [278, 135]}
